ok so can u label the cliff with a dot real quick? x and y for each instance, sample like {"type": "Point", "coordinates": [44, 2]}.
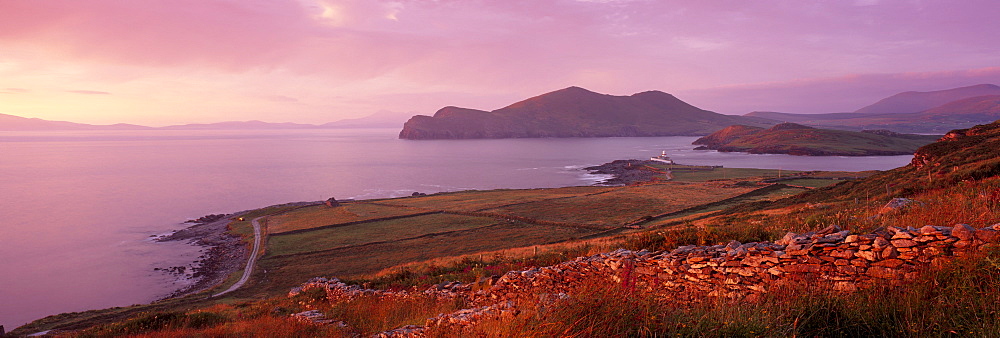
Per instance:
{"type": "Point", "coordinates": [574, 112]}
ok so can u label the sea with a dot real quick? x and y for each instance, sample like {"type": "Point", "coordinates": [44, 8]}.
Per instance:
{"type": "Point", "coordinates": [79, 209]}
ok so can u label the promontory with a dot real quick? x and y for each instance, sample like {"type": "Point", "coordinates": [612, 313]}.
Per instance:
{"type": "Point", "coordinates": [796, 139]}
{"type": "Point", "coordinates": [576, 112]}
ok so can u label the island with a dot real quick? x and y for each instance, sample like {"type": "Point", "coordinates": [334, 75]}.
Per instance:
{"type": "Point", "coordinates": [576, 112]}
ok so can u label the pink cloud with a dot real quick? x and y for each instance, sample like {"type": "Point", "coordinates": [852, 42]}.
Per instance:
{"type": "Point", "coordinates": [88, 92]}
{"type": "Point", "coordinates": [420, 55]}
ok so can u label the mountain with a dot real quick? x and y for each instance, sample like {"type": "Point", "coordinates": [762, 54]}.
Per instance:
{"type": "Point", "coordinates": [727, 135]}
{"type": "Point", "coordinates": [959, 158]}
{"type": "Point", "coordinates": [381, 119]}
{"type": "Point", "coordinates": [575, 112]}
{"type": "Point", "coordinates": [914, 102]}
{"type": "Point", "coordinates": [797, 139]}
{"type": "Point", "coordinates": [11, 123]}
{"type": "Point", "coordinates": [939, 112]}
{"type": "Point", "coordinates": [240, 125]}
{"type": "Point", "coordinates": [803, 118]}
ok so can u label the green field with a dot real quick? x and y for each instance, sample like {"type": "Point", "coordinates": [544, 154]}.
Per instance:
{"type": "Point", "coordinates": [380, 231]}
{"type": "Point", "coordinates": [322, 215]}
{"type": "Point", "coordinates": [623, 205]}
{"type": "Point", "coordinates": [278, 273]}
{"type": "Point", "coordinates": [475, 200]}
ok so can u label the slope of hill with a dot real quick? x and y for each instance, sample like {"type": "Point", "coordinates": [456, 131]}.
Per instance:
{"type": "Point", "coordinates": [575, 112]}
{"type": "Point", "coordinates": [910, 112]}
{"type": "Point", "coordinates": [913, 102]}
{"type": "Point", "coordinates": [958, 114]}
{"type": "Point", "coordinates": [11, 122]}
{"type": "Point", "coordinates": [796, 139]}
{"type": "Point", "coordinates": [961, 155]}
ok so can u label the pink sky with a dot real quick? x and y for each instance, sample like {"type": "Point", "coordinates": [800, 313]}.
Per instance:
{"type": "Point", "coordinates": [159, 62]}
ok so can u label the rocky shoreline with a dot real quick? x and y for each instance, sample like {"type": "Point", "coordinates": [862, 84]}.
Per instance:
{"type": "Point", "coordinates": [225, 253]}
{"type": "Point", "coordinates": [626, 172]}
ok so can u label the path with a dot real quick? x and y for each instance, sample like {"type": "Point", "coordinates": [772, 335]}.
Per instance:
{"type": "Point", "coordinates": [257, 239]}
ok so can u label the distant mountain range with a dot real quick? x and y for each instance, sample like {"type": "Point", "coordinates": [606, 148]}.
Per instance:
{"type": "Point", "coordinates": [797, 139]}
{"type": "Point", "coordinates": [575, 112]}
{"type": "Point", "coordinates": [11, 122]}
{"type": "Point", "coordinates": [382, 119]}
{"type": "Point", "coordinates": [911, 112]}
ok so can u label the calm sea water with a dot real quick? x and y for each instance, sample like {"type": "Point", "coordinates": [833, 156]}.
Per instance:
{"type": "Point", "coordinates": [77, 208]}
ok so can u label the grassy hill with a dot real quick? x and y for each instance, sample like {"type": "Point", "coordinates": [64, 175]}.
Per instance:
{"type": "Point", "coordinates": [796, 139]}
{"type": "Point", "coordinates": [575, 112]}
{"type": "Point", "coordinates": [911, 112]}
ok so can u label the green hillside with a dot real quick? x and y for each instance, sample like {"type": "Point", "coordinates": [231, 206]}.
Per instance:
{"type": "Point", "coordinates": [795, 139]}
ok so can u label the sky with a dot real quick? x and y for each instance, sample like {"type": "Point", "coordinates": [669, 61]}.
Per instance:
{"type": "Point", "coordinates": [162, 62]}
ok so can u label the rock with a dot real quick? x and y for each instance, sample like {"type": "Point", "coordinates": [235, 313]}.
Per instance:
{"type": "Point", "coordinates": [831, 238]}
{"type": "Point", "coordinates": [930, 230]}
{"type": "Point", "coordinates": [829, 230]}
{"type": "Point", "coordinates": [331, 202]}
{"type": "Point", "coordinates": [806, 268]}
{"type": "Point", "coordinates": [868, 255]}
{"type": "Point", "coordinates": [889, 252]}
{"type": "Point", "coordinates": [987, 235]}
{"type": "Point", "coordinates": [889, 263]}
{"type": "Point", "coordinates": [903, 243]}
{"type": "Point", "coordinates": [897, 204]}
{"type": "Point", "coordinates": [963, 232]}
{"type": "Point", "coordinates": [789, 238]}
{"type": "Point", "coordinates": [900, 234]}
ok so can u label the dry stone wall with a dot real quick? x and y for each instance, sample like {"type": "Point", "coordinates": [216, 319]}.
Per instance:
{"type": "Point", "coordinates": [832, 257]}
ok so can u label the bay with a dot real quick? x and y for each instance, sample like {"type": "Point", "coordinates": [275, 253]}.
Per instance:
{"type": "Point", "coordinates": [78, 207]}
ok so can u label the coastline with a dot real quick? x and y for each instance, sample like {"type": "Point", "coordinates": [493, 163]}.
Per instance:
{"type": "Point", "coordinates": [224, 254]}
{"type": "Point", "coordinates": [627, 172]}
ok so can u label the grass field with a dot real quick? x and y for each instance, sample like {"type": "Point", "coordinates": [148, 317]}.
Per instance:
{"type": "Point", "coordinates": [481, 200]}
{"type": "Point", "coordinates": [623, 205]}
{"type": "Point", "coordinates": [381, 231]}
{"type": "Point", "coordinates": [361, 238]}
{"type": "Point", "coordinates": [728, 174]}
{"type": "Point", "coordinates": [322, 215]}
{"type": "Point", "coordinates": [278, 273]}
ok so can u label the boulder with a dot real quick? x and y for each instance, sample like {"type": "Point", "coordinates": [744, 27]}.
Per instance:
{"type": "Point", "coordinates": [897, 204]}
{"type": "Point", "coordinates": [963, 232]}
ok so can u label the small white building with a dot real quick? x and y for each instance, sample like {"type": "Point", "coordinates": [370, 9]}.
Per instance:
{"type": "Point", "coordinates": [662, 158]}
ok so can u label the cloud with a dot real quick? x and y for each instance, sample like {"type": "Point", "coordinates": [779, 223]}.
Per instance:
{"type": "Point", "coordinates": [88, 92]}
{"type": "Point", "coordinates": [13, 91]}
{"type": "Point", "coordinates": [279, 98]}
